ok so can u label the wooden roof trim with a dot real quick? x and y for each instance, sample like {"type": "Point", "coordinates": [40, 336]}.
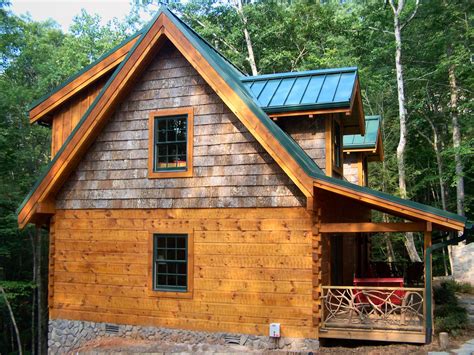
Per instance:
{"type": "Point", "coordinates": [81, 82]}
{"type": "Point", "coordinates": [360, 150]}
{"type": "Point", "coordinates": [240, 109]}
{"type": "Point", "coordinates": [390, 205]}
{"type": "Point", "coordinates": [92, 122]}
{"type": "Point", "coordinates": [310, 112]}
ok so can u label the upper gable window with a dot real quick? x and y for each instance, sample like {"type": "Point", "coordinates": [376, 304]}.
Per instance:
{"type": "Point", "coordinates": [170, 143]}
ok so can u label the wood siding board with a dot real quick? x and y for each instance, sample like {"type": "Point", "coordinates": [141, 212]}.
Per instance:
{"type": "Point", "coordinates": [256, 271]}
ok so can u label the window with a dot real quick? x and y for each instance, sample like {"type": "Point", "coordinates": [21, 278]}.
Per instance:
{"type": "Point", "coordinates": [170, 143]}
{"type": "Point", "coordinates": [337, 145]}
{"type": "Point", "coordinates": [170, 262]}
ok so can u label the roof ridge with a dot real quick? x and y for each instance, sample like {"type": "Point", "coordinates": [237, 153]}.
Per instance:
{"type": "Point", "coordinates": [299, 73]}
{"type": "Point", "coordinates": [204, 40]}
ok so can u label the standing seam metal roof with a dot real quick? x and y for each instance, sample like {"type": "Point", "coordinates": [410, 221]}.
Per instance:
{"type": "Point", "coordinates": [283, 92]}
{"type": "Point", "coordinates": [357, 141]}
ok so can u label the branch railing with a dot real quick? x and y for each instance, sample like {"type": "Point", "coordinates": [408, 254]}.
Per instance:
{"type": "Point", "coordinates": [381, 308]}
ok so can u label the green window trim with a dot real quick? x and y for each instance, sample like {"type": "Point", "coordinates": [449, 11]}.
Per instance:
{"type": "Point", "coordinates": [170, 143]}
{"type": "Point", "coordinates": [170, 262]}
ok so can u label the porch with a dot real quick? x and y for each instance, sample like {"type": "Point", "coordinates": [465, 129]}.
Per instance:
{"type": "Point", "coordinates": [364, 302]}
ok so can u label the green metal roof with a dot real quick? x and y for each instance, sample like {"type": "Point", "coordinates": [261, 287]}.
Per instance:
{"type": "Point", "coordinates": [369, 140]}
{"type": "Point", "coordinates": [298, 91]}
{"type": "Point", "coordinates": [233, 77]}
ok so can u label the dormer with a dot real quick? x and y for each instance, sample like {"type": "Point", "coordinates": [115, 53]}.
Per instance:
{"type": "Point", "coordinates": [316, 108]}
{"type": "Point", "coordinates": [360, 150]}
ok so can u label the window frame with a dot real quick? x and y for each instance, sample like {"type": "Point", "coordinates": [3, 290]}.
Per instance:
{"type": "Point", "coordinates": [169, 293]}
{"type": "Point", "coordinates": [337, 149]}
{"type": "Point", "coordinates": [331, 168]}
{"type": "Point", "coordinates": [188, 112]}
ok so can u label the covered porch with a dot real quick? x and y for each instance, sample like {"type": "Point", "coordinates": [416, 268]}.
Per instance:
{"type": "Point", "coordinates": [354, 299]}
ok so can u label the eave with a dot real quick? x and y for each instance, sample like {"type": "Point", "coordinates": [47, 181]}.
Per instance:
{"type": "Point", "coordinates": [402, 208]}
{"type": "Point", "coordinates": [42, 107]}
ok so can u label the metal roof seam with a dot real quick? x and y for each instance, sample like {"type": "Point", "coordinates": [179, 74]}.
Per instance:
{"type": "Point", "coordinates": [337, 86]}
{"type": "Point", "coordinates": [289, 91]}
{"type": "Point", "coordinates": [321, 88]}
{"type": "Point", "coordinates": [274, 92]}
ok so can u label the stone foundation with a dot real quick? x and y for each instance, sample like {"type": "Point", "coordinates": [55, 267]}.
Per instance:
{"type": "Point", "coordinates": [68, 335]}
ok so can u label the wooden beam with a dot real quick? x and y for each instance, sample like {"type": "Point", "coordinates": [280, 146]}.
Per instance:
{"type": "Point", "coordinates": [372, 227]}
{"type": "Point", "coordinates": [390, 206]}
{"type": "Point", "coordinates": [379, 335]}
{"type": "Point", "coordinates": [310, 112]}
{"type": "Point", "coordinates": [46, 207]}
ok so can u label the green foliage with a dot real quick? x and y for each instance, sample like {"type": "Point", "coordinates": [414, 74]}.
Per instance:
{"type": "Point", "coordinates": [34, 58]}
{"type": "Point", "coordinates": [449, 316]}
{"type": "Point", "coordinates": [452, 286]}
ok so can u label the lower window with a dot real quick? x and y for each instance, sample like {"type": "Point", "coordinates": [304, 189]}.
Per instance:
{"type": "Point", "coordinates": [170, 262]}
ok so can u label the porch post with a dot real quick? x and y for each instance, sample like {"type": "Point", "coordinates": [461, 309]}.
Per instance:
{"type": "Point", "coordinates": [428, 287]}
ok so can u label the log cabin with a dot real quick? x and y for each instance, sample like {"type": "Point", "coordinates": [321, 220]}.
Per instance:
{"type": "Point", "coordinates": [188, 201]}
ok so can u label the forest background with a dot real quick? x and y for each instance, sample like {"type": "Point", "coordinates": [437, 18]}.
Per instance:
{"type": "Point", "coordinates": [435, 54]}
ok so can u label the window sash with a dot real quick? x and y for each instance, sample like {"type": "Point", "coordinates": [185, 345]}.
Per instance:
{"type": "Point", "coordinates": [170, 152]}
{"type": "Point", "coordinates": [178, 273]}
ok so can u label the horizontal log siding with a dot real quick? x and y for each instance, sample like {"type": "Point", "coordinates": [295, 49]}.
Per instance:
{"type": "Point", "coordinates": [310, 134]}
{"type": "Point", "coordinates": [351, 167]}
{"type": "Point", "coordinates": [251, 267]}
{"type": "Point", "coordinates": [231, 169]}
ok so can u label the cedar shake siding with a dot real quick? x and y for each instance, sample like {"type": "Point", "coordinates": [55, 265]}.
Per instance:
{"type": "Point", "coordinates": [351, 169]}
{"type": "Point", "coordinates": [231, 169]}
{"type": "Point", "coordinates": [310, 134]}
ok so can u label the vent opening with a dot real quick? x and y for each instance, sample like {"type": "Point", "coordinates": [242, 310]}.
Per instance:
{"type": "Point", "coordinates": [111, 328]}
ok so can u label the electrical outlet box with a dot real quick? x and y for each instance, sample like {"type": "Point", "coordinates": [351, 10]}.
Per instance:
{"type": "Point", "coordinates": [275, 330]}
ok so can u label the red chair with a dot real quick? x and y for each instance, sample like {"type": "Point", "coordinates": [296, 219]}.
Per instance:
{"type": "Point", "coordinates": [379, 297]}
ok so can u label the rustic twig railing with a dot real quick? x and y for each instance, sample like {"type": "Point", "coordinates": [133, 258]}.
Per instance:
{"type": "Point", "coordinates": [377, 308]}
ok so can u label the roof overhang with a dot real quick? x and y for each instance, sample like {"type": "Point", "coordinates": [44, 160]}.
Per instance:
{"type": "Point", "coordinates": [43, 107]}
{"type": "Point", "coordinates": [298, 94]}
{"type": "Point", "coordinates": [394, 206]}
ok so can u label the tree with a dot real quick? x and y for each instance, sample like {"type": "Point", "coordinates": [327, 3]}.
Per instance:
{"type": "Point", "coordinates": [398, 26]}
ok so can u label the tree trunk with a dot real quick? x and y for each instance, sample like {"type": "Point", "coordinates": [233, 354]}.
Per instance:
{"type": "Point", "coordinates": [456, 141]}
{"type": "Point", "coordinates": [402, 112]}
{"type": "Point", "coordinates": [442, 188]}
{"type": "Point", "coordinates": [12, 316]}
{"type": "Point", "coordinates": [248, 41]}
